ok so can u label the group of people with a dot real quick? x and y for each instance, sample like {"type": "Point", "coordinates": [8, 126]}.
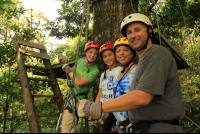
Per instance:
{"type": "Point", "coordinates": [146, 96]}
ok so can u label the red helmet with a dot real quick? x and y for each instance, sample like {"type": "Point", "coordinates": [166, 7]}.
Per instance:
{"type": "Point", "coordinates": [91, 44]}
{"type": "Point", "coordinates": [105, 47]}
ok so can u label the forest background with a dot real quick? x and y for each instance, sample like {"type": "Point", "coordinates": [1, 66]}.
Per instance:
{"type": "Point", "coordinates": [179, 21]}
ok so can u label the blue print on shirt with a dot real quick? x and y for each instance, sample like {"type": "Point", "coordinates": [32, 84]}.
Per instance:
{"type": "Point", "coordinates": [109, 82]}
{"type": "Point", "coordinates": [107, 96]}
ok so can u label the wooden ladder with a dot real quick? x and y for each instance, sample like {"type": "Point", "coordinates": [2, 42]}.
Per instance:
{"type": "Point", "coordinates": [33, 117]}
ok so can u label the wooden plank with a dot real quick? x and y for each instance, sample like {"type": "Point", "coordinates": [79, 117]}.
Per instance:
{"type": "Point", "coordinates": [34, 54]}
{"type": "Point", "coordinates": [40, 79]}
{"type": "Point", "coordinates": [37, 67]}
{"type": "Point", "coordinates": [33, 45]}
{"type": "Point", "coordinates": [176, 55]}
{"type": "Point", "coordinates": [56, 96]}
{"type": "Point", "coordinates": [50, 115]}
{"type": "Point", "coordinates": [41, 73]}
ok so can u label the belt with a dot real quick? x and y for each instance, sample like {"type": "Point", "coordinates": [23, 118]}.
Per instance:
{"type": "Point", "coordinates": [173, 122]}
{"type": "Point", "coordinates": [81, 94]}
{"type": "Point", "coordinates": [144, 125]}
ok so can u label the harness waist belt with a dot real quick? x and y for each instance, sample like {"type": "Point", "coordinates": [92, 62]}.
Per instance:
{"type": "Point", "coordinates": [81, 94]}
{"type": "Point", "coordinates": [173, 122]}
{"type": "Point", "coordinates": [144, 125]}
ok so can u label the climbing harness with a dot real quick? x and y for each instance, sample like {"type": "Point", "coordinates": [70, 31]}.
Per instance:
{"type": "Point", "coordinates": [71, 85]}
{"type": "Point", "coordinates": [122, 127]}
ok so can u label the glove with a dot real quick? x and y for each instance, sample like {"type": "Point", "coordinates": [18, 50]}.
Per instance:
{"type": "Point", "coordinates": [66, 68]}
{"type": "Point", "coordinates": [87, 108]}
{"type": "Point", "coordinates": [103, 118]}
{"type": "Point", "coordinates": [62, 59]}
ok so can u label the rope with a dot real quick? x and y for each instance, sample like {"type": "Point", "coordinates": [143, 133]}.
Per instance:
{"type": "Point", "coordinates": [185, 26]}
{"type": "Point", "coordinates": [132, 6]}
{"type": "Point", "coordinates": [157, 23]}
{"type": "Point", "coordinates": [80, 125]}
{"type": "Point", "coordinates": [192, 121]}
{"type": "Point", "coordinates": [75, 66]}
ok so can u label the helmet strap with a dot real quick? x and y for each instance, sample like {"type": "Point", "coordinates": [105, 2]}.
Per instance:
{"type": "Point", "coordinates": [88, 61]}
{"type": "Point", "coordinates": [126, 66]}
{"type": "Point", "coordinates": [148, 36]}
{"type": "Point", "coordinates": [104, 72]}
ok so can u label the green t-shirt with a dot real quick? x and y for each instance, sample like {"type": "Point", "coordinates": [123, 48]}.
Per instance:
{"type": "Point", "coordinates": [90, 72]}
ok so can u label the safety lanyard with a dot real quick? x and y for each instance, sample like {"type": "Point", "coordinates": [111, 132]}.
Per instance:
{"type": "Point", "coordinates": [122, 78]}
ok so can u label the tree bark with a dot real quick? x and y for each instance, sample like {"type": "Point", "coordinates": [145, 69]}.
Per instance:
{"type": "Point", "coordinates": [108, 15]}
{"type": "Point", "coordinates": [5, 113]}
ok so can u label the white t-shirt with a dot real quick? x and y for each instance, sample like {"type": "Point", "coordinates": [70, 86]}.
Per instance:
{"type": "Point", "coordinates": [107, 84]}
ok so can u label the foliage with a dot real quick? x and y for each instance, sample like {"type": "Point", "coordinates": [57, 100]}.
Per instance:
{"type": "Point", "coordinates": [13, 20]}
{"type": "Point", "coordinates": [190, 83]}
{"type": "Point", "coordinates": [69, 49]}
{"type": "Point", "coordinates": [69, 22]}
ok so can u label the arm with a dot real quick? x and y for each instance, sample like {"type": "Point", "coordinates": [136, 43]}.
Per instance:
{"type": "Point", "coordinates": [127, 102]}
{"type": "Point", "coordinates": [79, 81]}
{"type": "Point", "coordinates": [99, 95]}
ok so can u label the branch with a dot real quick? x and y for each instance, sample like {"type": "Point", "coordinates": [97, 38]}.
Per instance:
{"type": "Point", "coordinates": [165, 22]}
{"type": "Point", "coordinates": [150, 7]}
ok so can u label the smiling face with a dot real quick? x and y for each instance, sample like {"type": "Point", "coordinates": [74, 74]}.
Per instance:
{"type": "Point", "coordinates": [137, 35]}
{"type": "Point", "coordinates": [91, 54]}
{"type": "Point", "coordinates": [109, 58]}
{"type": "Point", "coordinates": [124, 54]}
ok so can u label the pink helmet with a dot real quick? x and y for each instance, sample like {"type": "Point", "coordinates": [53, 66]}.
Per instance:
{"type": "Point", "coordinates": [105, 47]}
{"type": "Point", "coordinates": [91, 44]}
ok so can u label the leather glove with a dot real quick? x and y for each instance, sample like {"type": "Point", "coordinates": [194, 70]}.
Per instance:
{"type": "Point", "coordinates": [66, 68]}
{"type": "Point", "coordinates": [87, 108]}
{"type": "Point", "coordinates": [62, 59]}
{"type": "Point", "coordinates": [103, 118]}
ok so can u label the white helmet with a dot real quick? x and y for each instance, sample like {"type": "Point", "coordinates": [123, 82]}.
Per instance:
{"type": "Point", "coordinates": [133, 18]}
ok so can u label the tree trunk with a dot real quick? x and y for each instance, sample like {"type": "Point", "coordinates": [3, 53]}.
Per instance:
{"type": "Point", "coordinates": [5, 113]}
{"type": "Point", "coordinates": [108, 15]}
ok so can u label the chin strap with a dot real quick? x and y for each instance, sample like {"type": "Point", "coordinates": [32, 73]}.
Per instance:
{"type": "Point", "coordinates": [126, 66]}
{"type": "Point", "coordinates": [88, 70]}
{"type": "Point", "coordinates": [149, 36]}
